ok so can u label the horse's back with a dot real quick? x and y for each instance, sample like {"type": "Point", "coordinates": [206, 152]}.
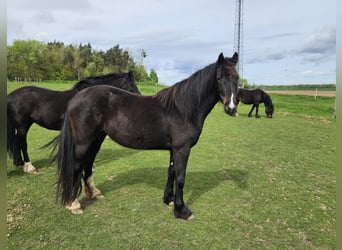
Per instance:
{"type": "Point", "coordinates": [250, 96]}
{"type": "Point", "coordinates": [33, 93]}
{"type": "Point", "coordinates": [131, 120]}
{"type": "Point", "coordinates": [40, 105]}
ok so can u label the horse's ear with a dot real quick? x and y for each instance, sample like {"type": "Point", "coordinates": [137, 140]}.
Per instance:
{"type": "Point", "coordinates": [235, 58]}
{"type": "Point", "coordinates": [131, 75]}
{"type": "Point", "coordinates": [220, 58]}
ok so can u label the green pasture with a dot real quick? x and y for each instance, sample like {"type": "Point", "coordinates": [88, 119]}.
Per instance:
{"type": "Point", "coordinates": [251, 184]}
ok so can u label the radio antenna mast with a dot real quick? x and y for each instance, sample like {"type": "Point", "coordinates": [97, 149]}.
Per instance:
{"type": "Point", "coordinates": [238, 38]}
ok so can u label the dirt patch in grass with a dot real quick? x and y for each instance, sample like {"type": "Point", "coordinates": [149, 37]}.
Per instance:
{"type": "Point", "coordinates": [304, 92]}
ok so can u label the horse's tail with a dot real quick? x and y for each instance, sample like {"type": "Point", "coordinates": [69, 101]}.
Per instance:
{"type": "Point", "coordinates": [68, 172]}
{"type": "Point", "coordinates": [53, 144]}
{"type": "Point", "coordinates": [11, 139]}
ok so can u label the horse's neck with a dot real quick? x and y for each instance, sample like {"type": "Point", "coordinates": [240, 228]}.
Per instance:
{"type": "Point", "coordinates": [267, 101]}
{"type": "Point", "coordinates": [69, 93]}
{"type": "Point", "coordinates": [206, 105]}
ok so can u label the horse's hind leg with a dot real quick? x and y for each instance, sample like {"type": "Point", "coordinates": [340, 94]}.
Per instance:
{"type": "Point", "coordinates": [17, 159]}
{"type": "Point", "coordinates": [90, 190]}
{"type": "Point", "coordinates": [75, 207]}
{"type": "Point", "coordinates": [22, 143]}
{"type": "Point", "coordinates": [82, 160]}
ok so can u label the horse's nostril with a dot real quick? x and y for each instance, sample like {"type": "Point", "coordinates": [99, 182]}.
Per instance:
{"type": "Point", "coordinates": [229, 111]}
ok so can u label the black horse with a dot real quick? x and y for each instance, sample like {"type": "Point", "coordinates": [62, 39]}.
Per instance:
{"type": "Point", "coordinates": [255, 97]}
{"type": "Point", "coordinates": [46, 107]}
{"type": "Point", "coordinates": [170, 120]}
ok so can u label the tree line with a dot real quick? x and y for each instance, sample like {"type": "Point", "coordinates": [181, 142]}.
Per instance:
{"type": "Point", "coordinates": [32, 60]}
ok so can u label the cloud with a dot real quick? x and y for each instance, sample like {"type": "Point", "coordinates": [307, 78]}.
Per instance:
{"type": "Point", "coordinates": [181, 37]}
{"type": "Point", "coordinates": [16, 27]}
{"type": "Point", "coordinates": [278, 36]}
{"type": "Point", "coordinates": [310, 73]}
{"type": "Point", "coordinates": [74, 5]}
{"type": "Point", "coordinates": [317, 48]}
{"type": "Point", "coordinates": [322, 42]}
{"type": "Point", "coordinates": [45, 17]}
{"type": "Point", "coordinates": [268, 57]}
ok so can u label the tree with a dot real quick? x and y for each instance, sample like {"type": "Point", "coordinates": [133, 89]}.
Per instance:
{"type": "Point", "coordinates": [140, 73]}
{"type": "Point", "coordinates": [153, 77]}
{"type": "Point", "coordinates": [54, 56]}
{"type": "Point", "coordinates": [96, 65]}
{"type": "Point", "coordinates": [26, 60]}
{"type": "Point", "coordinates": [34, 60]}
{"type": "Point", "coordinates": [71, 63]}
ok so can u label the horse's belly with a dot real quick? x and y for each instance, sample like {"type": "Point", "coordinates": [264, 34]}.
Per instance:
{"type": "Point", "coordinates": [139, 141]}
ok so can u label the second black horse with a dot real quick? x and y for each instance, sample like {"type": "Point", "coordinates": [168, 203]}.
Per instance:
{"type": "Point", "coordinates": [30, 104]}
{"type": "Point", "coordinates": [255, 97]}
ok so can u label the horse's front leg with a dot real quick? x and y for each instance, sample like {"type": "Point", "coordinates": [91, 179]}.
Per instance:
{"type": "Point", "coordinates": [181, 157]}
{"type": "Point", "coordinates": [251, 111]}
{"type": "Point", "coordinates": [257, 111]}
{"type": "Point", "coordinates": [169, 195]}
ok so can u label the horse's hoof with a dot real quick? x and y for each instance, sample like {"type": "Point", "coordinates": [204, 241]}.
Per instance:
{"type": "Point", "coordinates": [77, 211]}
{"type": "Point", "coordinates": [29, 168]}
{"type": "Point", "coordinates": [191, 217]}
{"type": "Point", "coordinates": [98, 196]}
{"type": "Point", "coordinates": [171, 203]}
{"type": "Point", "coordinates": [75, 207]}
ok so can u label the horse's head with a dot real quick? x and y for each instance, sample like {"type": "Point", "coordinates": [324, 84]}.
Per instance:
{"type": "Point", "coordinates": [227, 80]}
{"type": "Point", "coordinates": [129, 83]}
{"type": "Point", "coordinates": [269, 108]}
{"type": "Point", "coordinates": [269, 111]}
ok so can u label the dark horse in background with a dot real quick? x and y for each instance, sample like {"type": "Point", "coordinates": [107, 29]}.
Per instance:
{"type": "Point", "coordinates": [170, 120]}
{"type": "Point", "coordinates": [28, 105]}
{"type": "Point", "coordinates": [255, 97]}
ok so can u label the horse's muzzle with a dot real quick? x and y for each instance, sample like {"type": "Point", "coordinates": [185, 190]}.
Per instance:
{"type": "Point", "coordinates": [229, 110]}
{"type": "Point", "coordinates": [229, 105]}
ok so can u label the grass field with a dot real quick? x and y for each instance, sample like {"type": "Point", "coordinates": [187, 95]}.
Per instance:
{"type": "Point", "coordinates": [251, 183]}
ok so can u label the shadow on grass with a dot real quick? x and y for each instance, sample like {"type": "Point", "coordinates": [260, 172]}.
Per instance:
{"type": "Point", "coordinates": [108, 154]}
{"type": "Point", "coordinates": [43, 163]}
{"type": "Point", "coordinates": [197, 183]}
{"type": "Point", "coordinates": [16, 171]}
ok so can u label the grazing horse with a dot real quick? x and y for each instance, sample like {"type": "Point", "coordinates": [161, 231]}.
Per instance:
{"type": "Point", "coordinates": [170, 120]}
{"type": "Point", "coordinates": [255, 97]}
{"type": "Point", "coordinates": [28, 105]}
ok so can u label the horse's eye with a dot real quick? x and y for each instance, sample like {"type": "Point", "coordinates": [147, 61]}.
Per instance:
{"type": "Point", "coordinates": [218, 78]}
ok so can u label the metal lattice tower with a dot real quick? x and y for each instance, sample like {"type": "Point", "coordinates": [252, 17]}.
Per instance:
{"type": "Point", "coordinates": [238, 37]}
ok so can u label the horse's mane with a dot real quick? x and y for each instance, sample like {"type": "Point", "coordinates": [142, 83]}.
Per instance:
{"type": "Point", "coordinates": [185, 95]}
{"type": "Point", "coordinates": [115, 78]}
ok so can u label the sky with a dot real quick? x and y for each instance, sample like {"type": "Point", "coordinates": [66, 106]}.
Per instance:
{"type": "Point", "coordinates": [284, 42]}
